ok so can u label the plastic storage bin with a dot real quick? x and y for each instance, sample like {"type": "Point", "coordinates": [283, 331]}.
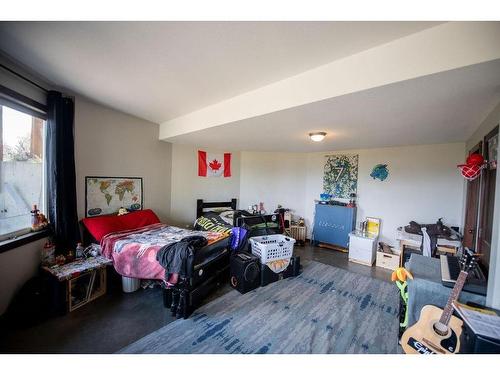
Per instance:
{"type": "Point", "coordinates": [272, 247]}
{"type": "Point", "coordinates": [130, 284]}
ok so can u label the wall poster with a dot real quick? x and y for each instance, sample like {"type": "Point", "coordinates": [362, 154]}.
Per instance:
{"type": "Point", "coordinates": [341, 175]}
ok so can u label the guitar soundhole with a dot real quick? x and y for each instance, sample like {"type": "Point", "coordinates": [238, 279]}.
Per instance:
{"type": "Point", "coordinates": [440, 329]}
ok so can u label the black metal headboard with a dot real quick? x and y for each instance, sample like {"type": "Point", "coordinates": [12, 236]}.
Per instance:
{"type": "Point", "coordinates": [200, 205]}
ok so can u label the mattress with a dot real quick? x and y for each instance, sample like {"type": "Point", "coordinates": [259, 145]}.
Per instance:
{"type": "Point", "coordinates": [134, 251]}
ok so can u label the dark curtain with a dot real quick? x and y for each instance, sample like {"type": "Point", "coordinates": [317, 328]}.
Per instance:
{"type": "Point", "coordinates": [61, 175]}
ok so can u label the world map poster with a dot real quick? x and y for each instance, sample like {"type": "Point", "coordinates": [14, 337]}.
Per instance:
{"type": "Point", "coordinates": [106, 195]}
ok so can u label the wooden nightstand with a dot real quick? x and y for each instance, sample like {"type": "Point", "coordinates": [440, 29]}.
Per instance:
{"type": "Point", "coordinates": [77, 283]}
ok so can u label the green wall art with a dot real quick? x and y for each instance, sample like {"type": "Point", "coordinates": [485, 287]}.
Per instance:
{"type": "Point", "coordinates": [341, 175]}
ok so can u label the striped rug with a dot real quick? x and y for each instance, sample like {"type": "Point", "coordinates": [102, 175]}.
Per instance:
{"type": "Point", "coordinates": [323, 310]}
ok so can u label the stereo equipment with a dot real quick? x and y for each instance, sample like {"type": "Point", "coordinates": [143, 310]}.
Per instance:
{"type": "Point", "coordinates": [245, 272]}
{"type": "Point", "coordinates": [472, 343]}
{"type": "Point", "coordinates": [268, 276]}
{"type": "Point", "coordinates": [450, 269]}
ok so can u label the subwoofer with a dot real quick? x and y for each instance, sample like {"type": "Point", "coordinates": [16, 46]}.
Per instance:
{"type": "Point", "coordinates": [245, 272]}
{"type": "Point", "coordinates": [267, 276]}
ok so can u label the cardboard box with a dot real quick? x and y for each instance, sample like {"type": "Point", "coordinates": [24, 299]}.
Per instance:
{"type": "Point", "coordinates": [388, 261]}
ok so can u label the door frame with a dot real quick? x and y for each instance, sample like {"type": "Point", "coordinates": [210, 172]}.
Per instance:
{"type": "Point", "coordinates": [478, 148]}
{"type": "Point", "coordinates": [484, 194]}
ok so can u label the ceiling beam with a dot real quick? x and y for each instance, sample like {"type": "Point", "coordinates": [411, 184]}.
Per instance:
{"type": "Point", "coordinates": [448, 46]}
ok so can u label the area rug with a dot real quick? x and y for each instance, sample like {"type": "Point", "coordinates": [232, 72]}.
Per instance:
{"type": "Point", "coordinates": [323, 310]}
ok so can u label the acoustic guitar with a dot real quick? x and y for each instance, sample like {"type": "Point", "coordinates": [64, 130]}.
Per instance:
{"type": "Point", "coordinates": [438, 331]}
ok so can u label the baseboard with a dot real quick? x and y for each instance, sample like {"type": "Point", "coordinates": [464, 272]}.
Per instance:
{"type": "Point", "coordinates": [332, 247]}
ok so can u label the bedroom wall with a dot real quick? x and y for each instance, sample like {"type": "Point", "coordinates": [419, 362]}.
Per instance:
{"type": "Point", "coordinates": [16, 267]}
{"type": "Point", "coordinates": [273, 178]}
{"type": "Point", "coordinates": [491, 120]}
{"type": "Point", "coordinates": [111, 143]}
{"type": "Point", "coordinates": [423, 185]}
{"type": "Point", "coordinates": [105, 141]}
{"type": "Point", "coordinates": [19, 264]}
{"type": "Point", "coordinates": [105, 144]}
{"type": "Point", "coordinates": [187, 186]}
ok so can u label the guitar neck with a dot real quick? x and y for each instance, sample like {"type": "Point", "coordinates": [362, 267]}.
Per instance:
{"type": "Point", "coordinates": [448, 309]}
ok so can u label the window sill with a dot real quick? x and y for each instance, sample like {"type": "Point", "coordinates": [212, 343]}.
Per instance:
{"type": "Point", "coordinates": [23, 240]}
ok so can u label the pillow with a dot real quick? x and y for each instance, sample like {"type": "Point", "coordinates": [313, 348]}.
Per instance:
{"type": "Point", "coordinates": [220, 209]}
{"type": "Point", "coordinates": [138, 219]}
{"type": "Point", "coordinates": [213, 222]}
{"type": "Point", "coordinates": [101, 225]}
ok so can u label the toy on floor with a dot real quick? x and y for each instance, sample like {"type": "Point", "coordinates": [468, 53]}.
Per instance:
{"type": "Point", "coordinates": [400, 275]}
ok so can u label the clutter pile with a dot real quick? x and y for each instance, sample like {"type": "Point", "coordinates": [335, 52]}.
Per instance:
{"type": "Point", "coordinates": [430, 234]}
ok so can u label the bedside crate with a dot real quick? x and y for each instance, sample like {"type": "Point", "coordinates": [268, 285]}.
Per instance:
{"type": "Point", "coordinates": [77, 283]}
{"type": "Point", "coordinates": [389, 261]}
{"type": "Point", "coordinates": [298, 233]}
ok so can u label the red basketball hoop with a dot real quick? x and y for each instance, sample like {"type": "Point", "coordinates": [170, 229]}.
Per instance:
{"type": "Point", "coordinates": [472, 167]}
{"type": "Point", "coordinates": [471, 172]}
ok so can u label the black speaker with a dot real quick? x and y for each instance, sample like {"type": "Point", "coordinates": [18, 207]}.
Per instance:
{"type": "Point", "coordinates": [268, 276]}
{"type": "Point", "coordinates": [245, 272]}
{"type": "Point", "coordinates": [294, 267]}
{"type": "Point", "coordinates": [474, 344]}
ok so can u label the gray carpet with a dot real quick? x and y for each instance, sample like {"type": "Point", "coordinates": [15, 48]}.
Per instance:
{"type": "Point", "coordinates": [324, 310]}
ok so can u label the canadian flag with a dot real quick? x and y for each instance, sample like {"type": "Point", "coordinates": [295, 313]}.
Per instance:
{"type": "Point", "coordinates": [214, 165]}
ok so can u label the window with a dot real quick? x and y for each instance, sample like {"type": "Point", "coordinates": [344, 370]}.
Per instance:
{"type": "Point", "coordinates": [21, 170]}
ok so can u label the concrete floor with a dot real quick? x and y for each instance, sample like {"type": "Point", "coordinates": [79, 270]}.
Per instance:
{"type": "Point", "coordinates": [116, 320]}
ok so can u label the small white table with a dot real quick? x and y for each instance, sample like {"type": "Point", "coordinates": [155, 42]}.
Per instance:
{"type": "Point", "coordinates": [362, 247]}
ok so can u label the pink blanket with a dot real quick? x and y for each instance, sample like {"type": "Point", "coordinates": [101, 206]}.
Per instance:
{"type": "Point", "coordinates": [134, 251]}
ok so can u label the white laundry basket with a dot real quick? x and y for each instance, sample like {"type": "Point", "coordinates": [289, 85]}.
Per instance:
{"type": "Point", "coordinates": [130, 284]}
{"type": "Point", "coordinates": [272, 247]}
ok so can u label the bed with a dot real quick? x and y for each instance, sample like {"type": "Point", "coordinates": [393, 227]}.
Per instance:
{"type": "Point", "coordinates": [132, 241]}
{"type": "Point", "coordinates": [183, 298]}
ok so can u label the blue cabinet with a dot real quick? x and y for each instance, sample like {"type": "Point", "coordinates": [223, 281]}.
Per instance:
{"type": "Point", "coordinates": [333, 223]}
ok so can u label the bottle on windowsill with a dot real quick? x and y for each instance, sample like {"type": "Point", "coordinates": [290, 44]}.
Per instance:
{"type": "Point", "coordinates": [79, 250]}
{"type": "Point", "coordinates": [34, 217]}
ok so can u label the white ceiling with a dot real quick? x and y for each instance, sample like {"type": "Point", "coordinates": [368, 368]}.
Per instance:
{"type": "Point", "coordinates": [162, 70]}
{"type": "Point", "coordinates": [439, 108]}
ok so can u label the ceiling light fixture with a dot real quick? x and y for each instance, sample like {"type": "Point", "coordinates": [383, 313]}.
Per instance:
{"type": "Point", "coordinates": [317, 136]}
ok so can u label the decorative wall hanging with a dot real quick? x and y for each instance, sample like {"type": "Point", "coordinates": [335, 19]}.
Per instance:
{"type": "Point", "coordinates": [380, 172]}
{"type": "Point", "coordinates": [341, 175]}
{"type": "Point", "coordinates": [106, 195]}
{"type": "Point", "coordinates": [213, 164]}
